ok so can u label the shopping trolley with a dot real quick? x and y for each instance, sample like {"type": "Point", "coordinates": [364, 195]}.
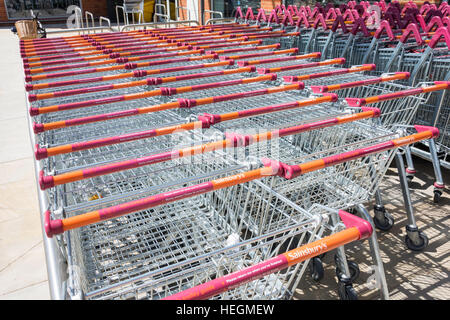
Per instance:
{"type": "Point", "coordinates": [286, 170]}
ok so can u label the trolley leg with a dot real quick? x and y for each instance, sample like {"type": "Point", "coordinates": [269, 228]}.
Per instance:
{"type": "Point", "coordinates": [415, 239]}
{"type": "Point", "coordinates": [439, 183]}
{"type": "Point", "coordinates": [410, 170]}
{"type": "Point", "coordinates": [345, 271]}
{"type": "Point", "coordinates": [382, 219]}
{"type": "Point", "coordinates": [375, 252]}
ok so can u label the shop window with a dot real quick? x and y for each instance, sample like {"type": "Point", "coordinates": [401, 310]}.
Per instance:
{"type": "Point", "coordinates": [48, 9]}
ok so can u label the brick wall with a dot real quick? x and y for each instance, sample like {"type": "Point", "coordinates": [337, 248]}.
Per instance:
{"type": "Point", "coordinates": [268, 5]}
{"type": "Point", "coordinates": [3, 15]}
{"type": "Point", "coordinates": [96, 7]}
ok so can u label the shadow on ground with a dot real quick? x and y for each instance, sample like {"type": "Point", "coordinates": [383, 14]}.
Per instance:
{"type": "Point", "coordinates": [409, 275]}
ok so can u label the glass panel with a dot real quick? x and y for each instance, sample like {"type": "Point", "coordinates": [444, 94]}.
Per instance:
{"type": "Point", "coordinates": [20, 9]}
{"type": "Point", "coordinates": [227, 7]}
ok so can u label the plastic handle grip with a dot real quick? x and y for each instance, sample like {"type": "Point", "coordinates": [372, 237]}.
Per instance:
{"type": "Point", "coordinates": [53, 227]}
{"type": "Point", "coordinates": [280, 262]}
{"type": "Point", "coordinates": [386, 27]}
{"type": "Point", "coordinates": [414, 30]}
{"type": "Point", "coordinates": [442, 32]}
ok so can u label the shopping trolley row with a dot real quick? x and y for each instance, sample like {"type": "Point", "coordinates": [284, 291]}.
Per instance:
{"type": "Point", "coordinates": [157, 239]}
{"type": "Point", "coordinates": [407, 39]}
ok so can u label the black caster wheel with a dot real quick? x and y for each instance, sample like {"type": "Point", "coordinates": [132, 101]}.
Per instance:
{"type": "Point", "coordinates": [316, 269]}
{"type": "Point", "coordinates": [386, 223]}
{"type": "Point", "coordinates": [437, 196]}
{"type": "Point", "coordinates": [346, 291]}
{"type": "Point", "coordinates": [409, 178]}
{"type": "Point", "coordinates": [321, 256]}
{"type": "Point", "coordinates": [353, 268]}
{"type": "Point", "coordinates": [417, 247]}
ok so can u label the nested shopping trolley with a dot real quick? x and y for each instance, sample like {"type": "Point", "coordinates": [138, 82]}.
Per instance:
{"type": "Point", "coordinates": [223, 181]}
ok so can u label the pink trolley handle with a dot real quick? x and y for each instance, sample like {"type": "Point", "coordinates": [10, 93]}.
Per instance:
{"type": "Point", "coordinates": [312, 55]}
{"type": "Point", "coordinates": [302, 66]}
{"type": "Point", "coordinates": [231, 141]}
{"type": "Point", "coordinates": [362, 68]}
{"type": "Point", "coordinates": [270, 168]}
{"type": "Point", "coordinates": [135, 74]}
{"type": "Point", "coordinates": [340, 86]}
{"type": "Point", "coordinates": [356, 229]}
{"type": "Point", "coordinates": [358, 102]}
{"type": "Point", "coordinates": [139, 95]}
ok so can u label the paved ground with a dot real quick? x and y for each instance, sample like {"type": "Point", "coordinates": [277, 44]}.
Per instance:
{"type": "Point", "coordinates": [409, 275]}
{"type": "Point", "coordinates": [22, 263]}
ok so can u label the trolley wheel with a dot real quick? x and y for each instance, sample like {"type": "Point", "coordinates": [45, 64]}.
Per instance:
{"type": "Point", "coordinates": [353, 268]}
{"type": "Point", "coordinates": [417, 247]}
{"type": "Point", "coordinates": [346, 291]}
{"type": "Point", "coordinates": [409, 178]}
{"type": "Point", "coordinates": [385, 224]}
{"type": "Point", "coordinates": [437, 196]}
{"type": "Point", "coordinates": [316, 269]}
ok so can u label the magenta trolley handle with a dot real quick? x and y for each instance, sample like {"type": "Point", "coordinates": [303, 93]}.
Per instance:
{"type": "Point", "coordinates": [339, 23]}
{"type": "Point", "coordinates": [133, 96]}
{"type": "Point", "coordinates": [421, 22]}
{"type": "Point", "coordinates": [414, 30]}
{"type": "Point", "coordinates": [261, 15]}
{"type": "Point", "coordinates": [232, 141]}
{"type": "Point", "coordinates": [386, 27]}
{"type": "Point", "coordinates": [271, 168]}
{"type": "Point", "coordinates": [360, 25]}
{"type": "Point", "coordinates": [302, 20]}
{"type": "Point", "coordinates": [136, 73]}
{"type": "Point", "coordinates": [328, 73]}
{"type": "Point", "coordinates": [325, 88]}
{"type": "Point", "coordinates": [287, 19]}
{"type": "Point", "coordinates": [172, 91]}
{"type": "Point", "coordinates": [259, 54]}
{"type": "Point", "coordinates": [273, 17]}
{"type": "Point", "coordinates": [282, 261]}
{"type": "Point", "coordinates": [358, 102]}
{"type": "Point", "coordinates": [288, 58]}
{"type": "Point", "coordinates": [238, 13]}
{"type": "Point", "coordinates": [249, 14]}
{"type": "Point", "coordinates": [190, 103]}
{"type": "Point", "coordinates": [441, 32]}
{"type": "Point", "coordinates": [331, 14]}
{"type": "Point", "coordinates": [320, 20]}
{"type": "Point", "coordinates": [301, 66]}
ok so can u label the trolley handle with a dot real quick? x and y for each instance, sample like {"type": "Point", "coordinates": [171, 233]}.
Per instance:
{"type": "Point", "coordinates": [413, 29]}
{"type": "Point", "coordinates": [302, 66]}
{"type": "Point", "coordinates": [340, 86]}
{"type": "Point", "coordinates": [312, 55]}
{"type": "Point", "coordinates": [384, 27]}
{"type": "Point", "coordinates": [271, 168]}
{"type": "Point", "coordinates": [441, 32]}
{"type": "Point", "coordinates": [360, 25]}
{"type": "Point", "coordinates": [190, 103]}
{"type": "Point", "coordinates": [293, 171]}
{"type": "Point", "coordinates": [38, 128]}
{"type": "Point", "coordinates": [135, 73]}
{"type": "Point", "coordinates": [358, 102]}
{"type": "Point", "coordinates": [339, 22]}
{"type": "Point", "coordinates": [356, 229]}
{"type": "Point", "coordinates": [302, 20]}
{"type": "Point", "coordinates": [260, 54]}
{"type": "Point", "coordinates": [320, 20]}
{"type": "Point", "coordinates": [365, 67]}
{"type": "Point", "coordinates": [249, 14]}
{"type": "Point", "coordinates": [275, 46]}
